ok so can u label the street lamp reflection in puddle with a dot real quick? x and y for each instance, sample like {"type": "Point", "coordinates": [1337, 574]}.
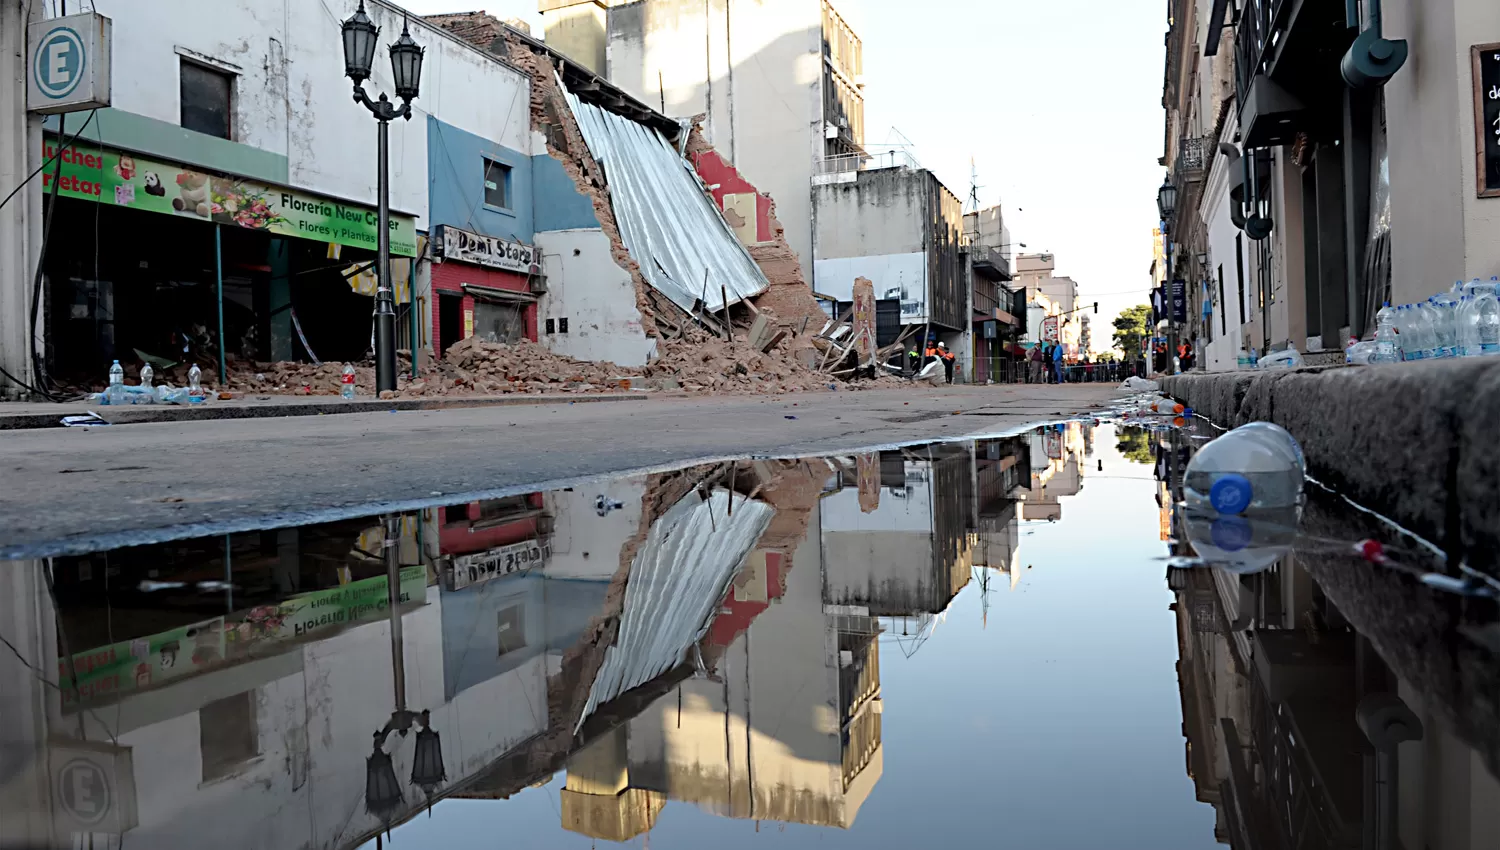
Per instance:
{"type": "Point", "coordinates": [383, 791]}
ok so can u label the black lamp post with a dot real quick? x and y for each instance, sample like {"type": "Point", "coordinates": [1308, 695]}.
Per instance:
{"type": "Point", "coordinates": [1166, 204]}
{"type": "Point", "coordinates": [383, 793]}
{"type": "Point", "coordinates": [360, 36]}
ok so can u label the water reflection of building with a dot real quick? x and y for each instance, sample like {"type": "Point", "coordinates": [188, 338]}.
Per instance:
{"type": "Point", "coordinates": [785, 728]}
{"type": "Point", "coordinates": [1301, 734]}
{"type": "Point", "coordinates": [1002, 473]}
{"type": "Point", "coordinates": [1057, 453]}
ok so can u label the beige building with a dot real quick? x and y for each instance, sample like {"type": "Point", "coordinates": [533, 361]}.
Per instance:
{"type": "Point", "coordinates": [780, 82]}
{"type": "Point", "coordinates": [1049, 294]}
{"type": "Point", "coordinates": [1310, 190]}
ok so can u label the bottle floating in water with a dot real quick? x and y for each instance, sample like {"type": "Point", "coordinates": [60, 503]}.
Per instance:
{"type": "Point", "coordinates": [195, 381]}
{"type": "Point", "coordinates": [1247, 470]}
{"type": "Point", "coordinates": [347, 381]}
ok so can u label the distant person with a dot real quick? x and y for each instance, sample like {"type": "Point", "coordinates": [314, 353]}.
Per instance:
{"type": "Point", "coordinates": [948, 360]}
{"type": "Point", "coordinates": [1037, 367]}
{"type": "Point", "coordinates": [1188, 356]}
{"type": "Point", "coordinates": [1057, 362]}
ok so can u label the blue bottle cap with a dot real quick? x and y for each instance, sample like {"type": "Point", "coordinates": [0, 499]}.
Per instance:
{"type": "Point", "coordinates": [1231, 533]}
{"type": "Point", "coordinates": [1231, 494]}
{"type": "Point", "coordinates": [1187, 413]}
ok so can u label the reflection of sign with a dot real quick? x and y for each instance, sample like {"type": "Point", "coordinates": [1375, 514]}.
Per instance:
{"type": "Point", "coordinates": [864, 321]}
{"type": "Point", "coordinates": [144, 662]}
{"type": "Point", "coordinates": [481, 567]}
{"type": "Point", "coordinates": [868, 466]}
{"type": "Point", "coordinates": [339, 606]}
{"type": "Point", "coordinates": [93, 787]}
{"type": "Point", "coordinates": [68, 64]}
{"type": "Point", "coordinates": [125, 180]}
{"type": "Point", "coordinates": [1486, 61]}
{"type": "Point", "coordinates": [1049, 329]}
{"type": "Point", "coordinates": [451, 243]}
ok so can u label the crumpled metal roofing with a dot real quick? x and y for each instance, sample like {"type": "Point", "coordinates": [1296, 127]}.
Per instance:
{"type": "Point", "coordinates": [679, 575]}
{"type": "Point", "coordinates": [671, 228]}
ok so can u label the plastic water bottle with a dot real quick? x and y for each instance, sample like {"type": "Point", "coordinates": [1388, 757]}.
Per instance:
{"type": "Point", "coordinates": [1481, 323]}
{"type": "Point", "coordinates": [1278, 438]}
{"type": "Point", "coordinates": [1244, 472]}
{"type": "Point", "coordinates": [1444, 310]}
{"type": "Point", "coordinates": [1387, 341]}
{"type": "Point", "coordinates": [195, 381]}
{"type": "Point", "coordinates": [1413, 332]}
{"type": "Point", "coordinates": [147, 373]}
{"type": "Point", "coordinates": [1289, 358]}
{"type": "Point", "coordinates": [347, 381]}
{"type": "Point", "coordinates": [116, 392]}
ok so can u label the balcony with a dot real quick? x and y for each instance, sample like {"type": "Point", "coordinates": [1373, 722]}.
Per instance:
{"type": "Point", "coordinates": [843, 168]}
{"type": "Point", "coordinates": [990, 262]}
{"type": "Point", "coordinates": [1194, 154]}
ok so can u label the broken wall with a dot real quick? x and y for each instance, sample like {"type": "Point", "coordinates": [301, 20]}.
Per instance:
{"type": "Point", "coordinates": [751, 214]}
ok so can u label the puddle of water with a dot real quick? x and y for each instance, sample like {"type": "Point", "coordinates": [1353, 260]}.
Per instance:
{"type": "Point", "coordinates": [988, 640]}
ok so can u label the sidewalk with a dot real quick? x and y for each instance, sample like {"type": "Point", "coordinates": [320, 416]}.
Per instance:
{"type": "Point", "coordinates": [20, 415]}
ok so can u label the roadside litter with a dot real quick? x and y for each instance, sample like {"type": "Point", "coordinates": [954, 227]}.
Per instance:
{"type": "Point", "coordinates": [84, 420]}
{"type": "Point", "coordinates": [1244, 497]}
{"type": "Point", "coordinates": [1140, 385]}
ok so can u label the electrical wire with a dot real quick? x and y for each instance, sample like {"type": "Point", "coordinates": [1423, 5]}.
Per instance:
{"type": "Point", "coordinates": [40, 168]}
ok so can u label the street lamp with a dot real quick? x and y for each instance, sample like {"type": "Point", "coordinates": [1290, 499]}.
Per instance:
{"type": "Point", "coordinates": [1166, 200]}
{"type": "Point", "coordinates": [360, 36]}
{"type": "Point", "coordinates": [383, 793]}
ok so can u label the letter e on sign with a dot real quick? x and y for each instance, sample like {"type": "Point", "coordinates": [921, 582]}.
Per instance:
{"type": "Point", "coordinates": [83, 791]}
{"type": "Point", "coordinates": [68, 63]}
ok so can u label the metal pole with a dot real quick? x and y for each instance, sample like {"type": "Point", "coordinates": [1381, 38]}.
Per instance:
{"type": "Point", "coordinates": [416, 315]}
{"type": "Point", "coordinates": [385, 312]}
{"type": "Point", "coordinates": [392, 546]}
{"type": "Point", "coordinates": [219, 276]}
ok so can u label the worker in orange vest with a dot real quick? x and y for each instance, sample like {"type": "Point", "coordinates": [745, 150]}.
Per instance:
{"type": "Point", "coordinates": [941, 351]}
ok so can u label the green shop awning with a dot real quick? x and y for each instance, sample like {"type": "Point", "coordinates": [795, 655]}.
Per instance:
{"type": "Point", "coordinates": [123, 179]}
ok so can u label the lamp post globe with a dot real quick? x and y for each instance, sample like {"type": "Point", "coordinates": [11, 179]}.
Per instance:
{"type": "Point", "coordinates": [406, 66]}
{"type": "Point", "coordinates": [360, 35]}
{"type": "Point", "coordinates": [1166, 200]}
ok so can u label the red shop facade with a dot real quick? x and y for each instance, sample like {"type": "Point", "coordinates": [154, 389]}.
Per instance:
{"type": "Point", "coordinates": [482, 286]}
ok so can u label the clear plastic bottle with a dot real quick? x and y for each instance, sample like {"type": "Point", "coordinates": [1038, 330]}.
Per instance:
{"type": "Point", "coordinates": [1242, 473]}
{"type": "Point", "coordinates": [1278, 438]}
{"type": "Point", "coordinates": [147, 374]}
{"type": "Point", "coordinates": [347, 381]}
{"type": "Point", "coordinates": [1387, 341]}
{"type": "Point", "coordinates": [1443, 309]}
{"type": "Point", "coordinates": [115, 394]}
{"type": "Point", "coordinates": [195, 381]}
{"type": "Point", "coordinates": [1414, 332]}
{"type": "Point", "coordinates": [1482, 323]}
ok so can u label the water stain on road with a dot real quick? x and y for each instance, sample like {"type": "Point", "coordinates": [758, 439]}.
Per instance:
{"type": "Point", "coordinates": [998, 641]}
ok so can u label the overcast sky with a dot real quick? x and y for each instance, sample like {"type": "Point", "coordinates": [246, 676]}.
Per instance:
{"type": "Point", "coordinates": [1057, 103]}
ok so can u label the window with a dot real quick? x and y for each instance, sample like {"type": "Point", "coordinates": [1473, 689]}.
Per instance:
{"type": "Point", "coordinates": [227, 735]}
{"type": "Point", "coordinates": [1223, 305]}
{"type": "Point", "coordinates": [496, 184]}
{"type": "Point", "coordinates": [206, 99]}
{"type": "Point", "coordinates": [1239, 271]}
{"type": "Point", "coordinates": [511, 630]}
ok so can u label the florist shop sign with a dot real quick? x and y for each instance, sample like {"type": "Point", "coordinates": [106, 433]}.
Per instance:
{"type": "Point", "coordinates": [125, 180]}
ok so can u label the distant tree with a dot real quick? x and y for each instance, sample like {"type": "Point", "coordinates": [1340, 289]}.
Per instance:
{"type": "Point", "coordinates": [1132, 326]}
{"type": "Point", "coordinates": [1135, 445]}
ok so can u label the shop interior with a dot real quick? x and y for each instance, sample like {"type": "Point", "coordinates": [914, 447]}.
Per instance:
{"type": "Point", "coordinates": [132, 285]}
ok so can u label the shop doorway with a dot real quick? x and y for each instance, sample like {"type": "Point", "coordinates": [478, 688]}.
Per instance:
{"type": "Point", "coordinates": [450, 319]}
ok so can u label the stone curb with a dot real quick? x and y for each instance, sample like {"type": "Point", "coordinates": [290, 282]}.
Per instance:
{"type": "Point", "coordinates": [1414, 441]}
{"type": "Point", "coordinates": [212, 411]}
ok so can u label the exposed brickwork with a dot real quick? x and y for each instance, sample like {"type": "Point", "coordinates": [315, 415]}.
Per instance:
{"type": "Point", "coordinates": [789, 297]}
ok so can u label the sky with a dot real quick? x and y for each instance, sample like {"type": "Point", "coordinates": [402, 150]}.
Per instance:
{"type": "Point", "coordinates": [1057, 104]}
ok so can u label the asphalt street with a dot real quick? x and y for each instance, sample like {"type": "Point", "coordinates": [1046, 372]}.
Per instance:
{"type": "Point", "coordinates": [81, 489]}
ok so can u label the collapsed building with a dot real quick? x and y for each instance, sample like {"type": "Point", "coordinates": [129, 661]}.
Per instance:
{"type": "Point", "coordinates": [565, 233]}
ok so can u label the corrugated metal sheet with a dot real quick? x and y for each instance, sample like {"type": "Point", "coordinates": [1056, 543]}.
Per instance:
{"type": "Point", "coordinates": [668, 224]}
{"type": "Point", "coordinates": [679, 575]}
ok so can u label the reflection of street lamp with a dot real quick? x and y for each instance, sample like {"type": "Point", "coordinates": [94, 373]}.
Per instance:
{"type": "Point", "coordinates": [383, 793]}
{"type": "Point", "coordinates": [359, 36]}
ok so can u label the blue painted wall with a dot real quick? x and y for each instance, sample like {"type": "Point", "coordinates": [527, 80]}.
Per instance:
{"type": "Point", "coordinates": [558, 203]}
{"type": "Point", "coordinates": [456, 184]}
